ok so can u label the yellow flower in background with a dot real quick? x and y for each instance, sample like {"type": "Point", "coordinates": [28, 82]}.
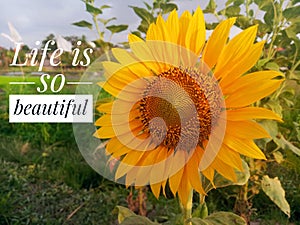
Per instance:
{"type": "Point", "coordinates": [172, 121]}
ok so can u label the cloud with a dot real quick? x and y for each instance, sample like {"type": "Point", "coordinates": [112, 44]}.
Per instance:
{"type": "Point", "coordinates": [37, 19]}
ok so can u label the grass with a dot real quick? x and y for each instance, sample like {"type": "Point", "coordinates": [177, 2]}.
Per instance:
{"type": "Point", "coordinates": [56, 186]}
{"type": "Point", "coordinates": [4, 80]}
{"type": "Point", "coordinates": [26, 198]}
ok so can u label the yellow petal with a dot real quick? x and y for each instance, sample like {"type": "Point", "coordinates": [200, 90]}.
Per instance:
{"type": "Point", "coordinates": [162, 27]}
{"type": "Point", "coordinates": [119, 107]}
{"type": "Point", "coordinates": [124, 57]}
{"type": "Point", "coordinates": [157, 174]}
{"type": "Point", "coordinates": [118, 130]}
{"type": "Point", "coordinates": [111, 68]}
{"type": "Point", "coordinates": [120, 152]}
{"type": "Point", "coordinates": [184, 189]}
{"type": "Point", "coordinates": [230, 157]}
{"type": "Point", "coordinates": [133, 38]}
{"type": "Point", "coordinates": [216, 42]}
{"type": "Point", "coordinates": [155, 188]}
{"type": "Point", "coordinates": [118, 73]}
{"type": "Point", "coordinates": [209, 173]}
{"type": "Point", "coordinates": [137, 140]}
{"type": "Point", "coordinates": [251, 113]}
{"type": "Point", "coordinates": [128, 162]}
{"type": "Point", "coordinates": [244, 147]}
{"type": "Point", "coordinates": [133, 125]}
{"type": "Point", "coordinates": [251, 93]}
{"type": "Point", "coordinates": [143, 52]}
{"type": "Point", "coordinates": [118, 119]}
{"type": "Point", "coordinates": [104, 121]}
{"type": "Point", "coordinates": [130, 176]}
{"type": "Point", "coordinates": [105, 132]}
{"type": "Point", "coordinates": [124, 91]}
{"type": "Point", "coordinates": [168, 164]}
{"type": "Point", "coordinates": [184, 21]}
{"type": "Point", "coordinates": [153, 33]}
{"type": "Point", "coordinates": [192, 169]}
{"type": "Point", "coordinates": [174, 181]}
{"type": "Point", "coordinates": [246, 129]}
{"type": "Point", "coordinates": [119, 80]}
{"type": "Point", "coordinates": [195, 35]}
{"type": "Point", "coordinates": [105, 107]}
{"type": "Point", "coordinates": [252, 79]}
{"type": "Point", "coordinates": [114, 145]}
{"type": "Point", "coordinates": [172, 24]}
{"type": "Point", "coordinates": [145, 166]}
{"type": "Point", "coordinates": [131, 62]}
{"type": "Point", "coordinates": [176, 168]}
{"type": "Point", "coordinates": [242, 66]}
{"type": "Point", "coordinates": [148, 159]}
{"type": "Point", "coordinates": [235, 50]}
{"type": "Point", "coordinates": [224, 169]}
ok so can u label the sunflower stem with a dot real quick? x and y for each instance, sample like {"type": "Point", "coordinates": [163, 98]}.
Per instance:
{"type": "Point", "coordinates": [203, 211]}
{"type": "Point", "coordinates": [202, 199]}
{"type": "Point", "coordinates": [187, 209]}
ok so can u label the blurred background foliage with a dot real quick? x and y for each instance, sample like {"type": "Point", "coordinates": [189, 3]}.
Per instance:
{"type": "Point", "coordinates": [45, 180]}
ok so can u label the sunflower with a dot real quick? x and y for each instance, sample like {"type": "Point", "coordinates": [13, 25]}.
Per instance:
{"type": "Point", "coordinates": [183, 106]}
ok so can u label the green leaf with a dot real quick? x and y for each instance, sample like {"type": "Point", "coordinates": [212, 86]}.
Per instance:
{"type": "Point", "coordinates": [104, 22]}
{"type": "Point", "coordinates": [211, 7]}
{"type": "Point", "coordinates": [278, 157]}
{"type": "Point", "coordinates": [229, 2]}
{"type": "Point", "coordinates": [92, 9]}
{"type": "Point", "coordinates": [168, 7]}
{"type": "Point", "coordinates": [264, 5]}
{"type": "Point", "coordinates": [261, 63]}
{"type": "Point", "coordinates": [293, 30]}
{"type": "Point", "coordinates": [262, 28]}
{"type": "Point", "coordinates": [148, 6]}
{"type": "Point", "coordinates": [105, 7]}
{"type": "Point", "coordinates": [123, 213]}
{"type": "Point", "coordinates": [220, 181]}
{"type": "Point", "coordinates": [211, 26]}
{"type": "Point", "coordinates": [292, 12]}
{"type": "Point", "coordinates": [271, 127]}
{"type": "Point", "coordinates": [117, 28]}
{"type": "Point", "coordinates": [137, 33]}
{"type": "Point", "coordinates": [220, 218]}
{"type": "Point", "coordinates": [238, 2]}
{"type": "Point", "coordinates": [289, 145]}
{"type": "Point", "coordinates": [143, 14]}
{"type": "Point", "coordinates": [232, 11]}
{"type": "Point", "coordinates": [295, 75]}
{"type": "Point", "coordinates": [251, 12]}
{"type": "Point", "coordinates": [83, 23]}
{"type": "Point", "coordinates": [143, 27]}
{"type": "Point", "coordinates": [127, 217]}
{"type": "Point", "coordinates": [274, 190]}
{"type": "Point", "coordinates": [269, 16]}
{"type": "Point", "coordinates": [198, 221]}
{"type": "Point", "coordinates": [243, 22]}
{"type": "Point", "coordinates": [276, 107]}
{"type": "Point", "coordinates": [137, 220]}
{"type": "Point", "coordinates": [272, 66]}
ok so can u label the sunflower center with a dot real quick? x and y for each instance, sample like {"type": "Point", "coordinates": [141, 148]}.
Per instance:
{"type": "Point", "coordinates": [187, 104]}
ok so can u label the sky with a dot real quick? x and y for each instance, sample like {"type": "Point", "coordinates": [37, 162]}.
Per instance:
{"type": "Point", "coordinates": [36, 19]}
